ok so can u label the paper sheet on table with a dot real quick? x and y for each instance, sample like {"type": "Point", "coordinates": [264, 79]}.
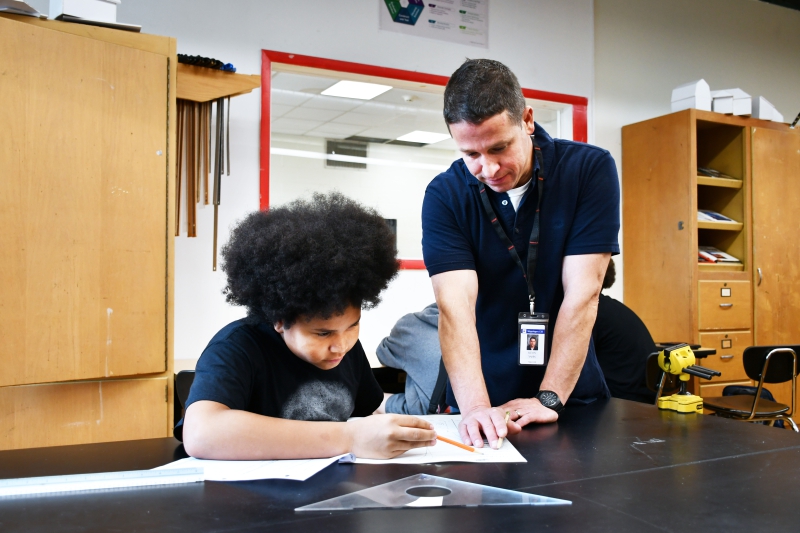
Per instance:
{"type": "Point", "coordinates": [295, 469]}
{"type": "Point", "coordinates": [447, 426]}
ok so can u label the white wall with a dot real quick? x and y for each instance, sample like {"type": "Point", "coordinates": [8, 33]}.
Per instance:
{"type": "Point", "coordinates": [547, 44]}
{"type": "Point", "coordinates": [644, 48]}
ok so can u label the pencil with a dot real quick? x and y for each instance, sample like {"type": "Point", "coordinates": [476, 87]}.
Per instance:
{"type": "Point", "coordinates": [500, 440]}
{"type": "Point", "coordinates": [454, 443]}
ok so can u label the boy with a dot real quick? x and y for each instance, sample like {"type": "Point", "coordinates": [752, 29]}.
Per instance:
{"type": "Point", "coordinates": [281, 383]}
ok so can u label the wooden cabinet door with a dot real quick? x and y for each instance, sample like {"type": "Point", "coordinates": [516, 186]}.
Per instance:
{"type": "Point", "coordinates": [58, 414]}
{"type": "Point", "coordinates": [83, 207]}
{"type": "Point", "coordinates": [776, 245]}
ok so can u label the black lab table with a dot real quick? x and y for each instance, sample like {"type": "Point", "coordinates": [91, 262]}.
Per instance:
{"type": "Point", "coordinates": [625, 466]}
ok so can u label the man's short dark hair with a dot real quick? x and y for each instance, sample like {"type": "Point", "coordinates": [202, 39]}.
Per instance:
{"type": "Point", "coordinates": [309, 259]}
{"type": "Point", "coordinates": [480, 89]}
{"type": "Point", "coordinates": [611, 275]}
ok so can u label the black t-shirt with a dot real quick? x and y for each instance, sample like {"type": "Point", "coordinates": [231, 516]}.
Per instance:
{"type": "Point", "coordinates": [623, 343]}
{"type": "Point", "coordinates": [247, 366]}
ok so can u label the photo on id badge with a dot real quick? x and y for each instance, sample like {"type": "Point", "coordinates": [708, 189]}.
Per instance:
{"type": "Point", "coordinates": [532, 338]}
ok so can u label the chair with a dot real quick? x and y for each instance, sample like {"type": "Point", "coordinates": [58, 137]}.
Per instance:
{"type": "Point", "coordinates": [183, 382]}
{"type": "Point", "coordinates": [763, 364]}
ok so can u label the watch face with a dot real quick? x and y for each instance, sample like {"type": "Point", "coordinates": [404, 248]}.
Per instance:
{"type": "Point", "coordinates": [548, 398]}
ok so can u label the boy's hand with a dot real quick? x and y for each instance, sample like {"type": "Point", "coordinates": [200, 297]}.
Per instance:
{"type": "Point", "coordinates": [387, 436]}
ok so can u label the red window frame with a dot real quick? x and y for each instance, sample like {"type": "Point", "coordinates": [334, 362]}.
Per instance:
{"type": "Point", "coordinates": [268, 57]}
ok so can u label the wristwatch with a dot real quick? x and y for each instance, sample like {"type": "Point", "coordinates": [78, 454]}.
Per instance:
{"type": "Point", "coordinates": [550, 400]}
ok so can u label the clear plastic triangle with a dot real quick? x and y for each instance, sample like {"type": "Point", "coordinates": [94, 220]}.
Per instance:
{"type": "Point", "coordinates": [423, 490]}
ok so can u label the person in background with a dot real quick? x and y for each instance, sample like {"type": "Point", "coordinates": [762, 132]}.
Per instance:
{"type": "Point", "coordinates": [413, 346]}
{"type": "Point", "coordinates": [622, 343]}
{"type": "Point", "coordinates": [283, 382]}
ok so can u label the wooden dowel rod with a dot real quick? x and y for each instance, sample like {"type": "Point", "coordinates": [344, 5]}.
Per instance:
{"type": "Point", "coordinates": [203, 137]}
{"type": "Point", "coordinates": [179, 171]}
{"type": "Point", "coordinates": [198, 150]}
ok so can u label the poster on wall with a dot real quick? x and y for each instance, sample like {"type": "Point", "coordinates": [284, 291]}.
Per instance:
{"type": "Point", "coordinates": [458, 21]}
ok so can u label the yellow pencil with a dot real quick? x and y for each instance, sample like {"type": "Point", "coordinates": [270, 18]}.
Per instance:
{"type": "Point", "coordinates": [454, 443]}
{"type": "Point", "coordinates": [500, 440]}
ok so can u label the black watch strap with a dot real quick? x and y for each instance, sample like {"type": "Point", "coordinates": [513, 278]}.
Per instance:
{"type": "Point", "coordinates": [550, 400]}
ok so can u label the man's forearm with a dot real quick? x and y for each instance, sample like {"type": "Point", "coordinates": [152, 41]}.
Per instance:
{"type": "Point", "coordinates": [456, 293]}
{"type": "Point", "coordinates": [571, 335]}
{"type": "Point", "coordinates": [462, 359]}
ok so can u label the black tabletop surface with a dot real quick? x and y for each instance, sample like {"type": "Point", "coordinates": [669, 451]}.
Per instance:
{"type": "Point", "coordinates": [625, 466]}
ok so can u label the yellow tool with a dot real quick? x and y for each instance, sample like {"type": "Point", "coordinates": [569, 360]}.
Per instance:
{"type": "Point", "coordinates": [680, 361]}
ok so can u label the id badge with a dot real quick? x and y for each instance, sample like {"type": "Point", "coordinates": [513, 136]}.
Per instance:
{"type": "Point", "coordinates": [533, 338]}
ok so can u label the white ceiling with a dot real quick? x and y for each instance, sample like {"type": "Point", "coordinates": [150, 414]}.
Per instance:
{"type": "Point", "coordinates": [298, 108]}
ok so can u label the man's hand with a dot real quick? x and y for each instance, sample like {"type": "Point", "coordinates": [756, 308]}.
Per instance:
{"type": "Point", "coordinates": [489, 421]}
{"type": "Point", "coordinates": [387, 436]}
{"type": "Point", "coordinates": [525, 411]}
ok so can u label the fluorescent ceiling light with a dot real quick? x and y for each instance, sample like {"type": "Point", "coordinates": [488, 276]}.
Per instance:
{"type": "Point", "coordinates": [356, 89]}
{"type": "Point", "coordinates": [424, 137]}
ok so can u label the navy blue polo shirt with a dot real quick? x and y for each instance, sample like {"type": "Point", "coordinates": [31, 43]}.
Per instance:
{"type": "Point", "coordinates": [579, 215]}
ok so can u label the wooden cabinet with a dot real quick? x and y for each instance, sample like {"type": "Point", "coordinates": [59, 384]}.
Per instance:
{"type": "Point", "coordinates": [723, 306]}
{"type": "Point", "coordinates": [86, 218]}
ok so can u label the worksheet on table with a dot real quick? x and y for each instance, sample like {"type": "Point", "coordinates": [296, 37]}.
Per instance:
{"type": "Point", "coordinates": [447, 426]}
{"type": "Point", "coordinates": [296, 469]}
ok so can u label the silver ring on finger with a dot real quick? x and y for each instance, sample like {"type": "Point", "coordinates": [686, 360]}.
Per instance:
{"type": "Point", "coordinates": [518, 413]}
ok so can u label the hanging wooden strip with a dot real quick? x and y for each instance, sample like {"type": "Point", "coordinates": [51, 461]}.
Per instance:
{"type": "Point", "coordinates": [179, 170]}
{"type": "Point", "coordinates": [191, 202]}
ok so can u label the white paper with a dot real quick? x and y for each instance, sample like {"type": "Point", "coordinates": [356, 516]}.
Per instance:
{"type": "Point", "coordinates": [295, 469]}
{"type": "Point", "coordinates": [447, 426]}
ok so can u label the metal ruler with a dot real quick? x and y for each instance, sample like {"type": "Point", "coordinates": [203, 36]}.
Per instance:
{"type": "Point", "coordinates": [103, 480]}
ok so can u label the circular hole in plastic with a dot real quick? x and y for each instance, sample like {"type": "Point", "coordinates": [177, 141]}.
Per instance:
{"type": "Point", "coordinates": [428, 491]}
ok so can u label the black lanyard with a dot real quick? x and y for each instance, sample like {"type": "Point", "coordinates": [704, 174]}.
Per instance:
{"type": "Point", "coordinates": [533, 242]}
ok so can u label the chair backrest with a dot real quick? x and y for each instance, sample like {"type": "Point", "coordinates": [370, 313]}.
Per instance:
{"type": "Point", "coordinates": [781, 364]}
{"type": "Point", "coordinates": [183, 382]}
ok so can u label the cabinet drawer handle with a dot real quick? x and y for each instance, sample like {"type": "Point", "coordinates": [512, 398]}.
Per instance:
{"type": "Point", "coordinates": [726, 357]}
{"type": "Point", "coordinates": [726, 305]}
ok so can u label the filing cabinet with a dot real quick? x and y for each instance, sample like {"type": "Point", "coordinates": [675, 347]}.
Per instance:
{"type": "Point", "coordinates": [754, 299]}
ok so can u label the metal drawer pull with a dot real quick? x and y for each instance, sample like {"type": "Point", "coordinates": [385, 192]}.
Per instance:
{"type": "Point", "coordinates": [725, 357]}
{"type": "Point", "coordinates": [726, 305]}
{"type": "Point", "coordinates": [760, 277]}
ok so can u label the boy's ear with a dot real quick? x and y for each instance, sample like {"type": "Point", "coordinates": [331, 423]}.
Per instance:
{"type": "Point", "coordinates": [278, 326]}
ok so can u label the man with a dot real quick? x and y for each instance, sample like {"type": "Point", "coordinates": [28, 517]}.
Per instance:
{"type": "Point", "coordinates": [481, 282]}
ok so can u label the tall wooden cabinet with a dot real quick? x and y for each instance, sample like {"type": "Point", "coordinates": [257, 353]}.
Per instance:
{"type": "Point", "coordinates": [727, 307]}
{"type": "Point", "coordinates": [86, 225]}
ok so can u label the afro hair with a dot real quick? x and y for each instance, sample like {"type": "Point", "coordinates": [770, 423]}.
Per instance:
{"type": "Point", "coordinates": [309, 259]}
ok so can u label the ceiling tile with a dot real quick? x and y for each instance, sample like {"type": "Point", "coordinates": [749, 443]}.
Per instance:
{"type": "Point", "coordinates": [278, 110]}
{"type": "Point", "coordinates": [293, 126]}
{"type": "Point", "coordinates": [320, 115]}
{"type": "Point", "coordinates": [332, 102]}
{"type": "Point", "coordinates": [359, 119]}
{"type": "Point", "coordinates": [299, 82]}
{"type": "Point", "coordinates": [290, 98]}
{"type": "Point", "coordinates": [336, 130]}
